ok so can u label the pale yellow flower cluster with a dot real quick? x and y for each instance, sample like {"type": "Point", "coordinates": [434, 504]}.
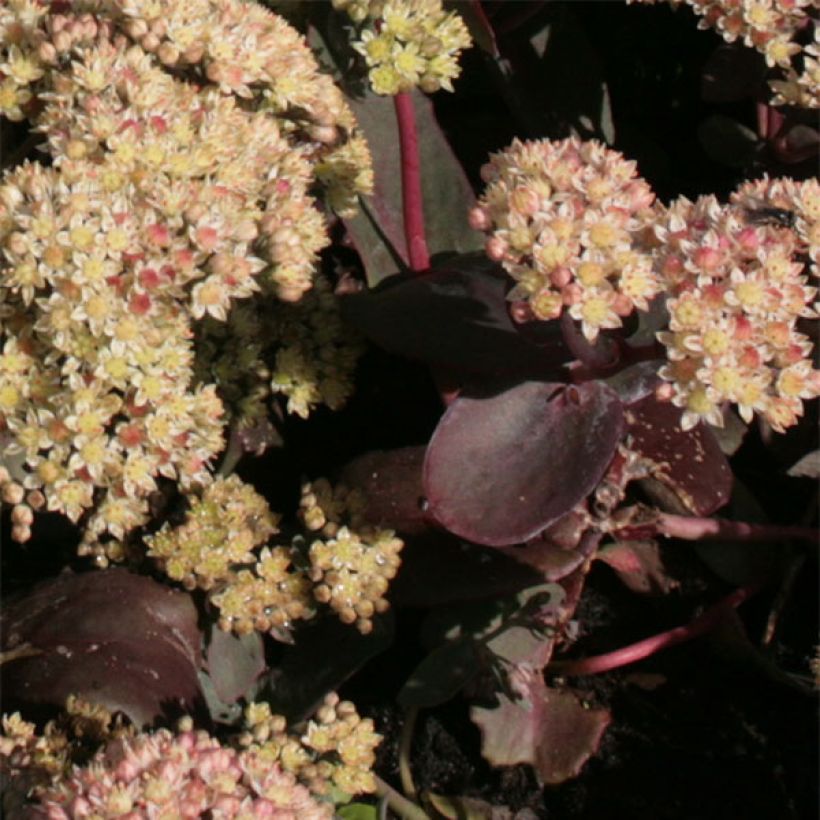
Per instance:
{"type": "Point", "coordinates": [353, 565]}
{"type": "Point", "coordinates": [221, 529]}
{"type": "Point", "coordinates": [301, 351]}
{"type": "Point", "coordinates": [774, 28]}
{"type": "Point", "coordinates": [335, 750]}
{"type": "Point", "coordinates": [165, 202]}
{"type": "Point", "coordinates": [317, 354]}
{"type": "Point", "coordinates": [408, 43]}
{"type": "Point", "coordinates": [568, 221]}
{"type": "Point", "coordinates": [223, 547]}
{"type": "Point", "coordinates": [738, 285]}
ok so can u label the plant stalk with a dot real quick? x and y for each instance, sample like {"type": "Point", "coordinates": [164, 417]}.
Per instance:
{"type": "Point", "coordinates": [696, 529]}
{"type": "Point", "coordinates": [632, 653]}
{"type": "Point", "coordinates": [412, 199]}
{"type": "Point", "coordinates": [400, 805]}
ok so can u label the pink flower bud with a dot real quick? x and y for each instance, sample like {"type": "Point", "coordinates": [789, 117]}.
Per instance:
{"type": "Point", "coordinates": [561, 277]}
{"type": "Point", "coordinates": [479, 219]}
{"type": "Point", "coordinates": [495, 248]}
{"type": "Point", "coordinates": [664, 392]}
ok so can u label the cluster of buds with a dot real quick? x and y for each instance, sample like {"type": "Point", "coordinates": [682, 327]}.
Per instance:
{"type": "Point", "coordinates": [165, 202]}
{"type": "Point", "coordinates": [222, 547]}
{"type": "Point", "coordinates": [738, 286]}
{"type": "Point", "coordinates": [408, 43]}
{"type": "Point", "coordinates": [775, 29]}
{"type": "Point", "coordinates": [186, 773]}
{"type": "Point", "coordinates": [568, 221]}
{"type": "Point", "coordinates": [268, 596]}
{"type": "Point", "coordinates": [23, 505]}
{"type": "Point", "coordinates": [221, 530]}
{"type": "Point", "coordinates": [336, 749]}
{"type": "Point", "coordinates": [351, 568]}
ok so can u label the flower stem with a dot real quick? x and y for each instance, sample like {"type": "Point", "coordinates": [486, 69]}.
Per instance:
{"type": "Point", "coordinates": [649, 646]}
{"type": "Point", "coordinates": [400, 805]}
{"type": "Point", "coordinates": [695, 529]}
{"type": "Point", "coordinates": [601, 355]}
{"type": "Point", "coordinates": [412, 200]}
{"type": "Point", "coordinates": [405, 772]}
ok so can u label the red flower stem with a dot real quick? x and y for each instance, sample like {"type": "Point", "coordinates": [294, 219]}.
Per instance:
{"type": "Point", "coordinates": [649, 646]}
{"type": "Point", "coordinates": [412, 200]}
{"type": "Point", "coordinates": [695, 529]}
{"type": "Point", "coordinates": [594, 356]}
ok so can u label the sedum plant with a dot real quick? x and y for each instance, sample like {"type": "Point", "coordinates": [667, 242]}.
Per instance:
{"type": "Point", "coordinates": [229, 211]}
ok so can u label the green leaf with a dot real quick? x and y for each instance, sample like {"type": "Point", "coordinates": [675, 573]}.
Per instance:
{"type": "Point", "coordinates": [358, 811]}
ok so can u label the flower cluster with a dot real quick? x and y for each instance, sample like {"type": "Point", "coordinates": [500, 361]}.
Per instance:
{"type": "Point", "coordinates": [168, 775]}
{"type": "Point", "coordinates": [738, 286]}
{"type": "Point", "coordinates": [222, 547]}
{"type": "Point", "coordinates": [165, 202]}
{"type": "Point", "coordinates": [773, 28]}
{"type": "Point", "coordinates": [31, 762]}
{"type": "Point", "coordinates": [302, 351]}
{"type": "Point", "coordinates": [270, 595]}
{"type": "Point", "coordinates": [221, 529]}
{"type": "Point", "coordinates": [568, 221]}
{"type": "Point", "coordinates": [351, 569]}
{"type": "Point", "coordinates": [336, 748]}
{"type": "Point", "coordinates": [408, 43]}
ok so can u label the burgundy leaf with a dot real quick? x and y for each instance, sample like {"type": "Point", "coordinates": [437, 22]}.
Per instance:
{"type": "Point", "coordinates": [499, 469]}
{"type": "Point", "coordinates": [548, 728]}
{"type": "Point", "coordinates": [732, 73]}
{"type": "Point", "coordinates": [559, 550]}
{"type": "Point", "coordinates": [438, 568]}
{"type": "Point", "coordinates": [690, 464]}
{"type": "Point", "coordinates": [456, 317]}
{"type": "Point", "coordinates": [115, 638]}
{"type": "Point", "coordinates": [390, 481]}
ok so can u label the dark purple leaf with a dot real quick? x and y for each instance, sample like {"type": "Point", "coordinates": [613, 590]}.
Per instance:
{"type": "Point", "coordinates": [115, 638]}
{"type": "Point", "coordinates": [500, 469]}
{"type": "Point", "coordinates": [727, 141]}
{"type": "Point", "coordinates": [551, 729]}
{"type": "Point", "coordinates": [391, 483]}
{"type": "Point", "coordinates": [639, 565]}
{"type": "Point", "coordinates": [325, 654]}
{"type": "Point", "coordinates": [438, 568]}
{"type": "Point", "coordinates": [441, 675]}
{"type": "Point", "coordinates": [689, 464]}
{"type": "Point", "coordinates": [456, 317]}
{"type": "Point", "coordinates": [732, 73]}
{"type": "Point", "coordinates": [551, 559]}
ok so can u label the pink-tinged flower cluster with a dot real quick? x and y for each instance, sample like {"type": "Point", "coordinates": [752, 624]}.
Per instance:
{"type": "Point", "coordinates": [738, 284]}
{"type": "Point", "coordinates": [164, 203]}
{"type": "Point", "coordinates": [568, 221]}
{"type": "Point", "coordinates": [167, 776]}
{"type": "Point", "coordinates": [776, 29]}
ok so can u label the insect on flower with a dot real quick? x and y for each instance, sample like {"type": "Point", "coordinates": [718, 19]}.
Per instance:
{"type": "Point", "coordinates": [770, 215]}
